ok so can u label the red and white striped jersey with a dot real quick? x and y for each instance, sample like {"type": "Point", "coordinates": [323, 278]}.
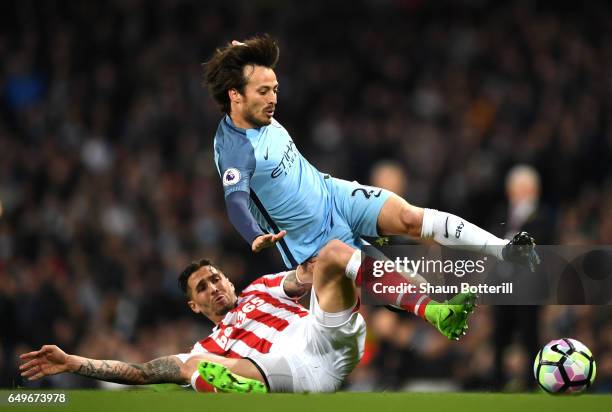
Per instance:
{"type": "Point", "coordinates": [263, 312]}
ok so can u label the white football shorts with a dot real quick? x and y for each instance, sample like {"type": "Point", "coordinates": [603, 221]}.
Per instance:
{"type": "Point", "coordinates": [316, 353]}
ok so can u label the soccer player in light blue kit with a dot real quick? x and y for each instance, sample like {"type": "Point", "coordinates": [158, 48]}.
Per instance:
{"type": "Point", "coordinates": [275, 196]}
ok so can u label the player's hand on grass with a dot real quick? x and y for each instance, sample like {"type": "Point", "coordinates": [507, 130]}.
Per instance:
{"type": "Point", "coordinates": [49, 360]}
{"type": "Point", "coordinates": [264, 241]}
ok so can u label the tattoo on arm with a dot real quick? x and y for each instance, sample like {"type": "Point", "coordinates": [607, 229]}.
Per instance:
{"type": "Point", "coordinates": [293, 288]}
{"type": "Point", "coordinates": [160, 370]}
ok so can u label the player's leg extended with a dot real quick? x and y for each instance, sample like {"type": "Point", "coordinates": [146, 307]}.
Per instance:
{"type": "Point", "coordinates": [224, 374]}
{"type": "Point", "coordinates": [398, 217]}
{"type": "Point", "coordinates": [335, 291]}
{"type": "Point", "coordinates": [371, 211]}
{"type": "Point", "coordinates": [339, 267]}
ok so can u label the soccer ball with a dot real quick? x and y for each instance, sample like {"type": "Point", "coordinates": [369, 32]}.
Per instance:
{"type": "Point", "coordinates": [564, 366]}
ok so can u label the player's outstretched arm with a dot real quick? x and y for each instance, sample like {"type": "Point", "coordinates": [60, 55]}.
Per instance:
{"type": "Point", "coordinates": [51, 360]}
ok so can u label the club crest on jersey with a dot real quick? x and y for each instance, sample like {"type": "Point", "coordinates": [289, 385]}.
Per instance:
{"type": "Point", "coordinates": [231, 177]}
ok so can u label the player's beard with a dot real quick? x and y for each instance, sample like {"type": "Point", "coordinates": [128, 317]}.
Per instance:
{"type": "Point", "coordinates": [222, 311]}
{"type": "Point", "coordinates": [251, 117]}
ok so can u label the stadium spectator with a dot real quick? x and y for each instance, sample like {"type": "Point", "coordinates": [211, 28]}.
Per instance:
{"type": "Point", "coordinates": [516, 327]}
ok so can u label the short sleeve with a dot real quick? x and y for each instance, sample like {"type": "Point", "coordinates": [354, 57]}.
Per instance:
{"type": "Point", "coordinates": [236, 164]}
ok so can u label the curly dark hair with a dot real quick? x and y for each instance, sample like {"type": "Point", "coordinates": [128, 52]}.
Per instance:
{"type": "Point", "coordinates": [225, 70]}
{"type": "Point", "coordinates": [188, 271]}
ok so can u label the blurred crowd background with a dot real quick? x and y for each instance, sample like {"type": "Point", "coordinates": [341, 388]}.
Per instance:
{"type": "Point", "coordinates": [108, 187]}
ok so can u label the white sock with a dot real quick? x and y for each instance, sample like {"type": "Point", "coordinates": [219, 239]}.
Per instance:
{"type": "Point", "coordinates": [453, 231]}
{"type": "Point", "coordinates": [353, 265]}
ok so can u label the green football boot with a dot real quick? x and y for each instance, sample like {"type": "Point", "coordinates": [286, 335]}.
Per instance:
{"type": "Point", "coordinates": [450, 317]}
{"type": "Point", "coordinates": [225, 381]}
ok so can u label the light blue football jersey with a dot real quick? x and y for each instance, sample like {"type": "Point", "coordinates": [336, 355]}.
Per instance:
{"type": "Point", "coordinates": [286, 191]}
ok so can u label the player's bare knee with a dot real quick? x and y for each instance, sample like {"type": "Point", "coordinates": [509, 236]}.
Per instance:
{"type": "Point", "coordinates": [411, 219]}
{"type": "Point", "coordinates": [334, 255]}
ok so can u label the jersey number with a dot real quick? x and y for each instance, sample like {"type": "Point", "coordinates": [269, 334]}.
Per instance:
{"type": "Point", "coordinates": [366, 193]}
{"type": "Point", "coordinates": [254, 303]}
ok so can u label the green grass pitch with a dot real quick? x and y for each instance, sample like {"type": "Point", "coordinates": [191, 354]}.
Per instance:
{"type": "Point", "coordinates": [183, 400]}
